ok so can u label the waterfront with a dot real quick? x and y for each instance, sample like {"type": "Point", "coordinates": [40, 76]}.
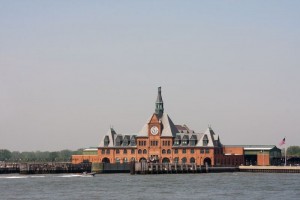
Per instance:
{"type": "Point", "coordinates": [124, 186]}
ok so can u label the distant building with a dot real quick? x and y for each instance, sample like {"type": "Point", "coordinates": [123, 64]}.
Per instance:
{"type": "Point", "coordinates": [160, 140]}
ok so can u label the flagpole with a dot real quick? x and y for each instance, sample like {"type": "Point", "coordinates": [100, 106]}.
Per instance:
{"type": "Point", "coordinates": [285, 156]}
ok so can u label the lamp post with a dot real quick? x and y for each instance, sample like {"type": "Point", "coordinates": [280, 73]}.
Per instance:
{"type": "Point", "coordinates": [263, 154]}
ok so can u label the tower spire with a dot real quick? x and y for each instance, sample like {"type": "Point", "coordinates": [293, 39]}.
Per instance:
{"type": "Point", "coordinates": [159, 104]}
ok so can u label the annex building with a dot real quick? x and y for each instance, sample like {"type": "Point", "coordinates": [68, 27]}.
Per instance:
{"type": "Point", "coordinates": [160, 140]}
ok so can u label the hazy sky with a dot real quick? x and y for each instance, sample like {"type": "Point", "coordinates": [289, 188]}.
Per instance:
{"type": "Point", "coordinates": [71, 69]}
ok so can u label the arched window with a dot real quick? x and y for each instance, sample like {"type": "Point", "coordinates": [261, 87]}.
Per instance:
{"type": "Point", "coordinates": [132, 159]}
{"type": "Point", "coordinates": [208, 161]}
{"type": "Point", "coordinates": [192, 160]}
{"type": "Point", "coordinates": [169, 151]}
{"type": "Point", "coordinates": [132, 151]}
{"type": "Point", "coordinates": [125, 160]}
{"type": "Point", "coordinates": [140, 151]}
{"type": "Point", "coordinates": [105, 160]}
{"type": "Point", "coordinates": [176, 160]}
{"type": "Point", "coordinates": [183, 160]}
{"type": "Point", "coordinates": [117, 160]}
{"type": "Point", "coordinates": [144, 151]}
{"type": "Point", "coordinates": [165, 160]}
{"type": "Point", "coordinates": [163, 151]}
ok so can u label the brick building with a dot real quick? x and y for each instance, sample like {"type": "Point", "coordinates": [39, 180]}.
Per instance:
{"type": "Point", "coordinates": [160, 140]}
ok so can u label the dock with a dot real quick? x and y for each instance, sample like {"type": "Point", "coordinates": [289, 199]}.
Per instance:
{"type": "Point", "coordinates": [270, 169]}
{"type": "Point", "coordinates": [53, 167]}
{"type": "Point", "coordinates": [176, 168]}
{"type": "Point", "coordinates": [9, 167]}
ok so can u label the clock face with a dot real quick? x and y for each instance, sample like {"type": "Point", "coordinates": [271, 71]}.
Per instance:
{"type": "Point", "coordinates": [154, 130]}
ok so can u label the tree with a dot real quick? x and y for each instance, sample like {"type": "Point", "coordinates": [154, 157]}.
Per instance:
{"type": "Point", "coordinates": [293, 151]}
{"type": "Point", "coordinates": [5, 154]}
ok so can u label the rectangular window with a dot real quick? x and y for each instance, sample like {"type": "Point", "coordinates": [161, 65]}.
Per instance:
{"type": "Point", "coordinates": [202, 151]}
{"type": "Point", "coordinates": [103, 151]}
{"type": "Point", "coordinates": [169, 143]}
{"type": "Point", "coordinates": [183, 150]}
{"type": "Point", "coordinates": [132, 151]}
{"type": "Point", "coordinates": [107, 151]}
{"type": "Point", "coordinates": [117, 151]}
{"type": "Point", "coordinates": [176, 151]}
{"type": "Point", "coordinates": [192, 151]}
{"type": "Point", "coordinates": [206, 150]}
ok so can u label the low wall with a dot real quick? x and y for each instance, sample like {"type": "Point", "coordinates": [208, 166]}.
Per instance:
{"type": "Point", "coordinates": [111, 167]}
{"type": "Point", "coordinates": [270, 169]}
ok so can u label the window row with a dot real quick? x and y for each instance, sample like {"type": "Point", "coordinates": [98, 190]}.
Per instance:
{"type": "Point", "coordinates": [166, 143]}
{"type": "Point", "coordinates": [140, 151]}
{"type": "Point", "coordinates": [125, 160]}
{"type": "Point", "coordinates": [192, 151]}
{"type": "Point", "coordinates": [118, 151]}
{"type": "Point", "coordinates": [142, 143]}
{"type": "Point", "coordinates": [184, 160]}
{"type": "Point", "coordinates": [126, 140]}
{"type": "Point", "coordinates": [132, 151]}
{"type": "Point", "coordinates": [153, 143]}
{"type": "Point", "coordinates": [166, 151]}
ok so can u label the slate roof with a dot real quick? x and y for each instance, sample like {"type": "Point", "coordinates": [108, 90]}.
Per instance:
{"type": "Point", "coordinates": [213, 139]}
{"type": "Point", "coordinates": [111, 133]}
{"type": "Point", "coordinates": [169, 129]}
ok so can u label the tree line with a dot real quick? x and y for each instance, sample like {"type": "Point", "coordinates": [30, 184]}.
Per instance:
{"type": "Point", "coordinates": [293, 151]}
{"type": "Point", "coordinates": [38, 156]}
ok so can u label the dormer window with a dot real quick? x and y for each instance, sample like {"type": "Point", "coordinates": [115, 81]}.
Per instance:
{"type": "Point", "coordinates": [106, 141]}
{"type": "Point", "coordinates": [126, 140]}
{"type": "Point", "coordinates": [205, 140]}
{"type": "Point", "coordinates": [193, 140]}
{"type": "Point", "coordinates": [177, 140]}
{"type": "Point", "coordinates": [132, 141]}
{"type": "Point", "coordinates": [119, 140]}
{"type": "Point", "coordinates": [185, 140]}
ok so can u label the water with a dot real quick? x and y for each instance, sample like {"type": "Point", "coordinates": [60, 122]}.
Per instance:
{"type": "Point", "coordinates": [124, 186]}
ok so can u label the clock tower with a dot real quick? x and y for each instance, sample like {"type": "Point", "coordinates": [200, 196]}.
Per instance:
{"type": "Point", "coordinates": [155, 128]}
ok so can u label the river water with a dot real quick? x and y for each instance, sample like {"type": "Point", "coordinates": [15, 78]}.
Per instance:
{"type": "Point", "coordinates": [167, 186]}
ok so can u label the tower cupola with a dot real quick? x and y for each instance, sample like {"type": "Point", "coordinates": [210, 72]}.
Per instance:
{"type": "Point", "coordinates": [159, 104]}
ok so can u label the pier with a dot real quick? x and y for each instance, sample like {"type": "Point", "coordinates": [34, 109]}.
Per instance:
{"type": "Point", "coordinates": [270, 169]}
{"type": "Point", "coordinates": [176, 168]}
{"type": "Point", "coordinates": [54, 167]}
{"type": "Point", "coordinates": [44, 167]}
{"type": "Point", "coordinates": [9, 167]}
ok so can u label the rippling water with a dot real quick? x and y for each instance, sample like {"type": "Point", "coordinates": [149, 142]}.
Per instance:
{"type": "Point", "coordinates": [124, 186]}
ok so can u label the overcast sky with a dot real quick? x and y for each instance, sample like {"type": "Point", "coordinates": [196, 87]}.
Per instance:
{"type": "Point", "coordinates": [71, 69]}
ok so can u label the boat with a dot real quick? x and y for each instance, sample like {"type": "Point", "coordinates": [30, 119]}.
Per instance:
{"type": "Point", "coordinates": [92, 174]}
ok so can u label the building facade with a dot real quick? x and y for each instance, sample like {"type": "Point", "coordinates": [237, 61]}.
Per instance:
{"type": "Point", "coordinates": [160, 140]}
